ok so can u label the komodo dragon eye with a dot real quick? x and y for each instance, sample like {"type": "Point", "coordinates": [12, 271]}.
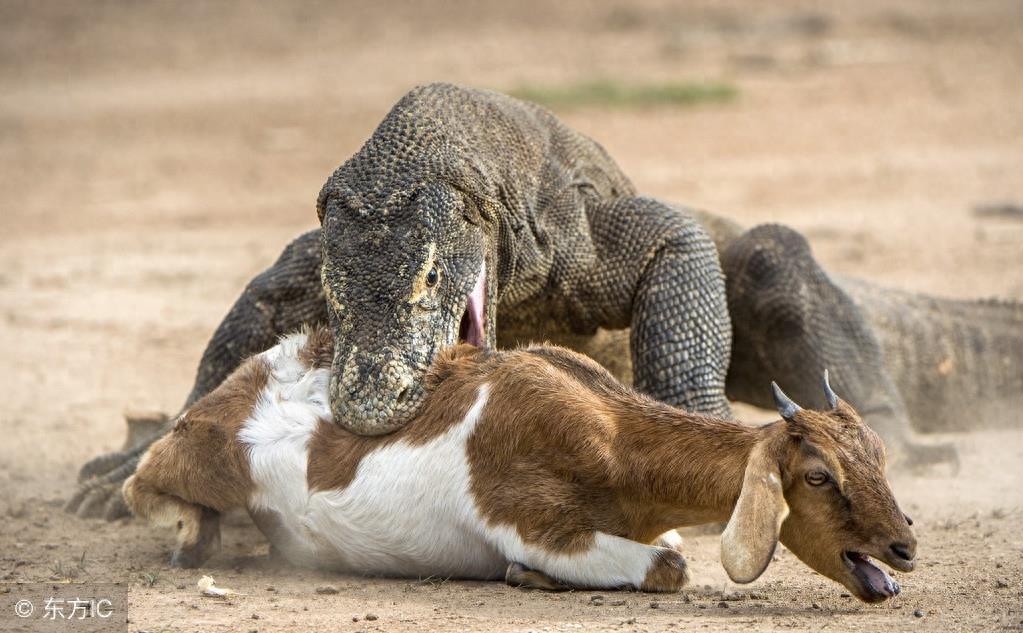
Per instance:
{"type": "Point", "coordinates": [432, 277]}
{"type": "Point", "coordinates": [816, 477]}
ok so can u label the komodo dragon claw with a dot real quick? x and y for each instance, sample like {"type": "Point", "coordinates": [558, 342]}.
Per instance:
{"type": "Point", "coordinates": [99, 480]}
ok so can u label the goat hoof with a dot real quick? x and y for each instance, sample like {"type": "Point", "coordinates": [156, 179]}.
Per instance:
{"type": "Point", "coordinates": [518, 575]}
{"type": "Point", "coordinates": [669, 573]}
{"type": "Point", "coordinates": [186, 558]}
{"type": "Point", "coordinates": [197, 541]}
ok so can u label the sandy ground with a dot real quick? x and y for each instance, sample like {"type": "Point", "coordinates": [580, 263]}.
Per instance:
{"type": "Point", "coordinates": [154, 157]}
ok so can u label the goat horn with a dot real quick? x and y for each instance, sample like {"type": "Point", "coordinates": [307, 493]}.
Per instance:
{"type": "Point", "coordinates": [786, 407]}
{"type": "Point", "coordinates": [829, 393]}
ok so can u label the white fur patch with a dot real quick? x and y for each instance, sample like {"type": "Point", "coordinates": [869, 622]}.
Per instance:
{"type": "Point", "coordinates": [409, 510]}
{"type": "Point", "coordinates": [671, 539]}
{"type": "Point", "coordinates": [612, 561]}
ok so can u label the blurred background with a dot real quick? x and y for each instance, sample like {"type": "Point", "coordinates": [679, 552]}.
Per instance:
{"type": "Point", "coordinates": [154, 156]}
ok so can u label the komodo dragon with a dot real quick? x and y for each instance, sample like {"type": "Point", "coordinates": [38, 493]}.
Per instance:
{"type": "Point", "coordinates": [470, 215]}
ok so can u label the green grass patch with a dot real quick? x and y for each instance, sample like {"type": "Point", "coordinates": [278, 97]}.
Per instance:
{"type": "Point", "coordinates": [610, 93]}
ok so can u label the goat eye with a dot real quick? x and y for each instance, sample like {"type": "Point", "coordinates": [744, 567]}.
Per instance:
{"type": "Point", "coordinates": [432, 277]}
{"type": "Point", "coordinates": [816, 477]}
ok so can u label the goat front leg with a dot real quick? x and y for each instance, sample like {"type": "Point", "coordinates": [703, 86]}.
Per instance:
{"type": "Point", "coordinates": [198, 527]}
{"type": "Point", "coordinates": [609, 562]}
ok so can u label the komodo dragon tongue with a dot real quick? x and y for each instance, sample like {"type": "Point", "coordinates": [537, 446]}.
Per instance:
{"type": "Point", "coordinates": [473, 327]}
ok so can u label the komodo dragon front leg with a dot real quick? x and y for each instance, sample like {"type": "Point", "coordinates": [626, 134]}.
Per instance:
{"type": "Point", "coordinates": [280, 299]}
{"type": "Point", "coordinates": [656, 272]}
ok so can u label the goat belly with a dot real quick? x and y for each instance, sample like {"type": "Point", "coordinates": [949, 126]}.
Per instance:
{"type": "Point", "coordinates": [408, 511]}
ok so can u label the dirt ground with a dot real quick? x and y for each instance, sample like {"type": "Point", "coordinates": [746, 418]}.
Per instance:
{"type": "Point", "coordinates": [153, 157]}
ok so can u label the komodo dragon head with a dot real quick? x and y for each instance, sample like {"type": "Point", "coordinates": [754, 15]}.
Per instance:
{"type": "Point", "coordinates": [410, 226]}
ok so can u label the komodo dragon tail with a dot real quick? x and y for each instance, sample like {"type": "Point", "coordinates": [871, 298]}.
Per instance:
{"type": "Point", "coordinates": [957, 363]}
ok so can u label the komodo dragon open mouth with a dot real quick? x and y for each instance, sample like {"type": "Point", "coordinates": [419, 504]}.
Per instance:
{"type": "Point", "coordinates": [472, 329]}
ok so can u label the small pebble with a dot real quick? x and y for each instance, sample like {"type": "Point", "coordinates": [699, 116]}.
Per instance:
{"type": "Point", "coordinates": [701, 606]}
{"type": "Point", "coordinates": [655, 605]}
{"type": "Point", "coordinates": [722, 605]}
{"type": "Point", "coordinates": [597, 602]}
{"type": "Point", "coordinates": [371, 616]}
{"type": "Point", "coordinates": [181, 585]}
{"type": "Point", "coordinates": [815, 605]}
{"type": "Point", "coordinates": [271, 588]}
{"type": "Point", "coordinates": [631, 621]}
{"type": "Point", "coordinates": [1001, 584]}
{"type": "Point", "coordinates": [355, 618]}
{"type": "Point", "coordinates": [918, 613]}
{"type": "Point", "coordinates": [327, 590]}
{"type": "Point", "coordinates": [255, 616]}
{"type": "Point", "coordinates": [617, 603]}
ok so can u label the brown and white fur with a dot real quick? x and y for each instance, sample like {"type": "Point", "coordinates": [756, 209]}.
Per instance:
{"type": "Point", "coordinates": [534, 464]}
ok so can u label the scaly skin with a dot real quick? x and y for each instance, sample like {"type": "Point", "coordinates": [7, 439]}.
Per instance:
{"type": "Point", "coordinates": [457, 182]}
{"type": "Point", "coordinates": [958, 364]}
{"type": "Point", "coordinates": [945, 364]}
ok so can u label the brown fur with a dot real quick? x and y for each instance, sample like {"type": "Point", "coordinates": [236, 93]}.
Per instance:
{"type": "Point", "coordinates": [563, 450]}
{"type": "Point", "coordinates": [199, 469]}
{"type": "Point", "coordinates": [560, 460]}
{"type": "Point", "coordinates": [318, 352]}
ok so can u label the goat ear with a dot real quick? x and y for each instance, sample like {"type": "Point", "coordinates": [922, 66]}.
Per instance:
{"type": "Point", "coordinates": [751, 535]}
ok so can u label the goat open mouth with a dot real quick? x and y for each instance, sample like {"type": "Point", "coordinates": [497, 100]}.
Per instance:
{"type": "Point", "coordinates": [472, 329]}
{"type": "Point", "coordinates": [877, 585]}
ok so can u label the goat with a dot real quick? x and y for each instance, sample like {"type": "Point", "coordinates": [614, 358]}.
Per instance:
{"type": "Point", "coordinates": [533, 464]}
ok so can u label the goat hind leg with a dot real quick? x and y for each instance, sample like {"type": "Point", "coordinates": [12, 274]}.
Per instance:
{"type": "Point", "coordinates": [198, 527]}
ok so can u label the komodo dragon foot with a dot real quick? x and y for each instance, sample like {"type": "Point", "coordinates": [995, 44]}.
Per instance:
{"type": "Point", "coordinates": [100, 479]}
{"type": "Point", "coordinates": [920, 457]}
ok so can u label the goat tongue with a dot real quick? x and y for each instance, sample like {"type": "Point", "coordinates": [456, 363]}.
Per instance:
{"type": "Point", "coordinates": [873, 576]}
